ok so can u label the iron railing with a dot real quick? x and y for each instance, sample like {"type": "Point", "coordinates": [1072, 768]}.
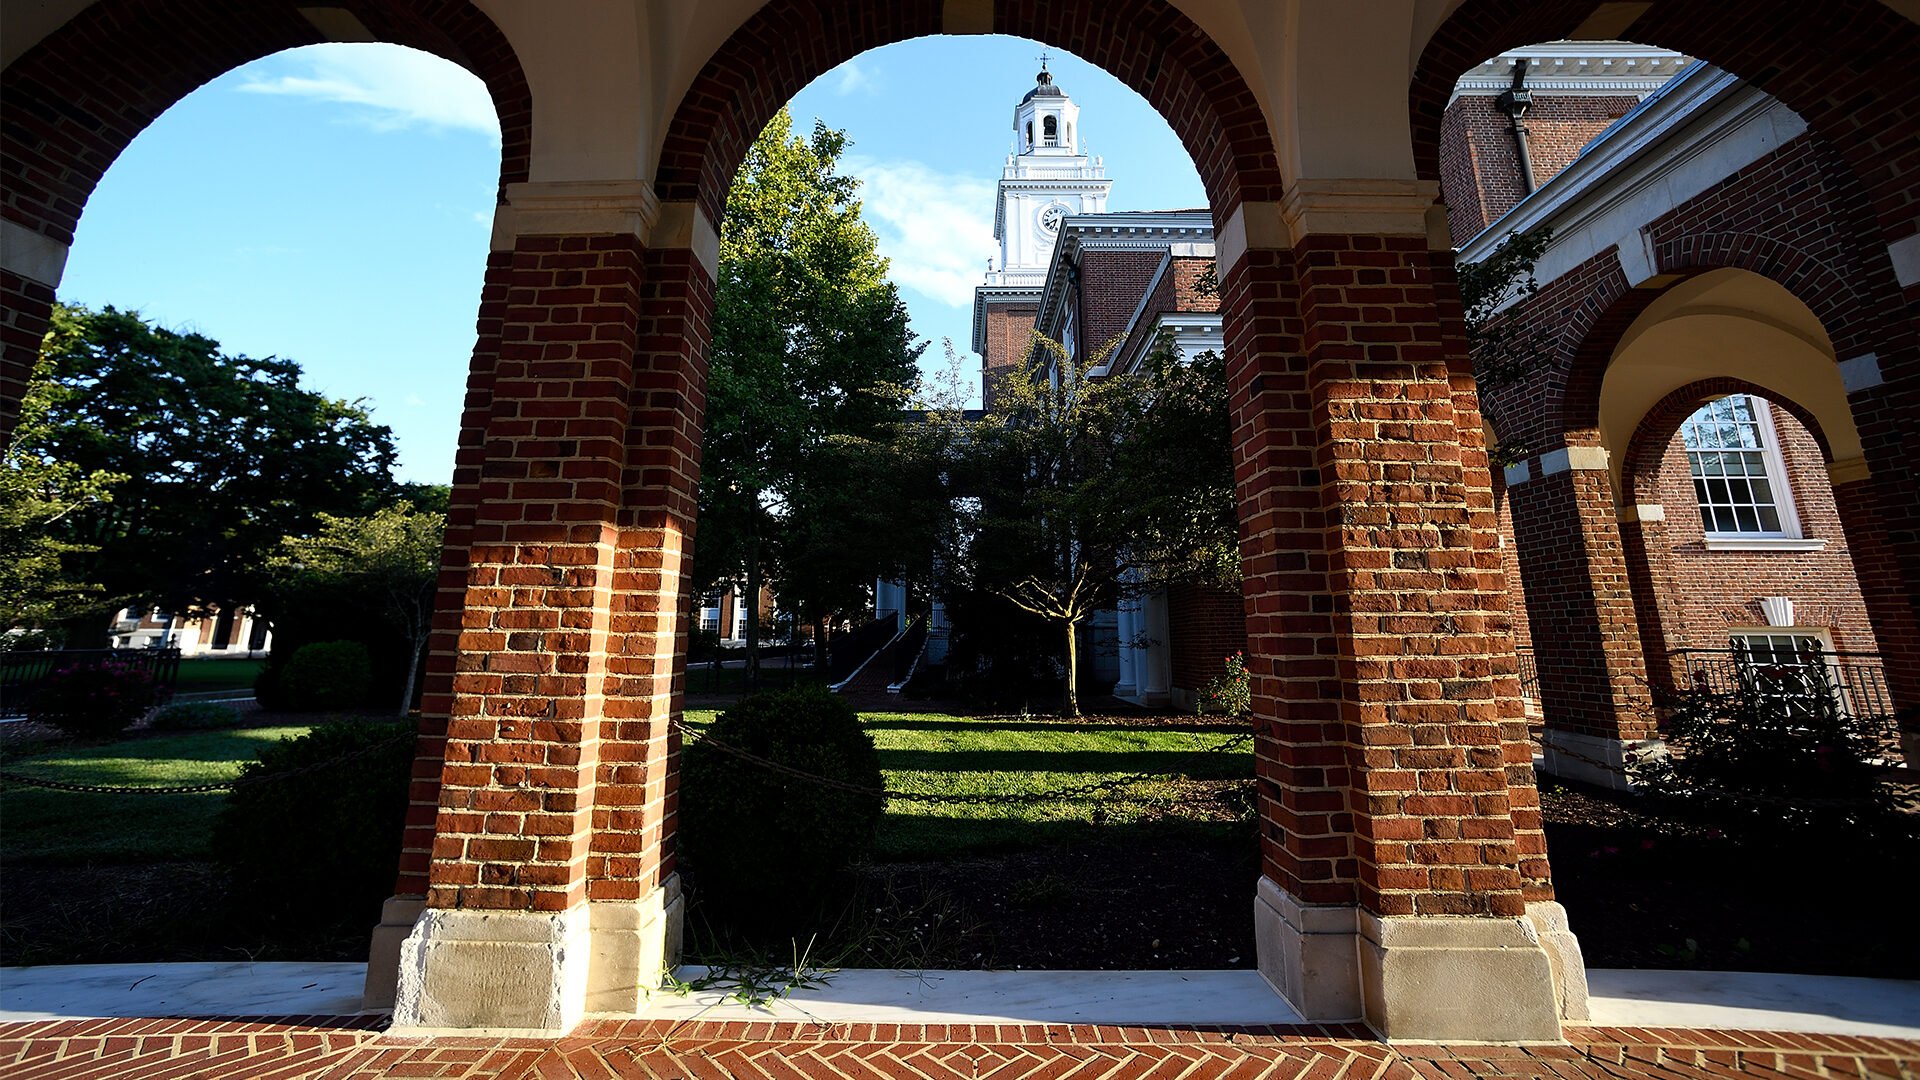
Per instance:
{"type": "Point", "coordinates": [1529, 675]}
{"type": "Point", "coordinates": [21, 673]}
{"type": "Point", "coordinates": [1857, 680]}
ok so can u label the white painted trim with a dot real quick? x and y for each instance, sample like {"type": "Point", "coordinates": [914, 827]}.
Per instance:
{"type": "Point", "coordinates": [1861, 373]}
{"type": "Point", "coordinates": [1357, 206]}
{"type": "Point", "coordinates": [574, 208]}
{"type": "Point", "coordinates": [33, 255]}
{"type": "Point", "coordinates": [1703, 126]}
{"type": "Point", "coordinates": [1847, 470]}
{"type": "Point", "coordinates": [1577, 69]}
{"type": "Point", "coordinates": [1764, 543]}
{"type": "Point", "coordinates": [1584, 458]}
{"type": "Point", "coordinates": [683, 225]}
{"type": "Point", "coordinates": [1906, 260]}
{"type": "Point", "coordinates": [1643, 512]}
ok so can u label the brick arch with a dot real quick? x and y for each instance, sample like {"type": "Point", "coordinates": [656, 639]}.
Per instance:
{"type": "Point", "coordinates": [138, 57]}
{"type": "Point", "coordinates": [1594, 332]}
{"type": "Point", "coordinates": [1640, 465]}
{"type": "Point", "coordinates": [1146, 44]}
{"type": "Point", "coordinates": [1844, 66]}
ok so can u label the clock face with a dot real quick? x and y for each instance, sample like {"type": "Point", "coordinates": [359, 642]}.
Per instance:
{"type": "Point", "coordinates": [1050, 218]}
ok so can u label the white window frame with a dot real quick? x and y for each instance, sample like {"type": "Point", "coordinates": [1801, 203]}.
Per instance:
{"type": "Point", "coordinates": [1819, 635]}
{"type": "Point", "coordinates": [1789, 537]}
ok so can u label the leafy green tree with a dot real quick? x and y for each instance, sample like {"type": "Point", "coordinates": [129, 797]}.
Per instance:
{"type": "Point", "coordinates": [37, 494]}
{"type": "Point", "coordinates": [391, 556]}
{"type": "Point", "coordinates": [1081, 488]}
{"type": "Point", "coordinates": [810, 345]}
{"type": "Point", "coordinates": [216, 457]}
{"type": "Point", "coordinates": [1504, 351]}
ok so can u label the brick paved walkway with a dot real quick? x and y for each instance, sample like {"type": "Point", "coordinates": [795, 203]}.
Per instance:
{"type": "Point", "coordinates": [287, 1047]}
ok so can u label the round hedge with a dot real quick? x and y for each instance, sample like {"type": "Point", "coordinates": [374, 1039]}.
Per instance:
{"type": "Point", "coordinates": [767, 851]}
{"type": "Point", "coordinates": [322, 846]}
{"type": "Point", "coordinates": [322, 677]}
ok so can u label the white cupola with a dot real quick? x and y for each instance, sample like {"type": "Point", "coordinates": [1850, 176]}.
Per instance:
{"type": "Point", "coordinates": [1048, 176]}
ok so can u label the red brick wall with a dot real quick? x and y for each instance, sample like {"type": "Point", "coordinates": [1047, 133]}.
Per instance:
{"type": "Point", "coordinates": [1480, 167]}
{"type": "Point", "coordinates": [1711, 591]}
{"type": "Point", "coordinates": [1009, 333]}
{"type": "Point", "coordinates": [1110, 286]}
{"type": "Point", "coordinates": [1188, 275]}
{"type": "Point", "coordinates": [1207, 625]}
{"type": "Point", "coordinates": [1510, 561]}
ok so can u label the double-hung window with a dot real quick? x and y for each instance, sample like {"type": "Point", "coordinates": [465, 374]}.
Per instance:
{"type": "Point", "coordinates": [1739, 478]}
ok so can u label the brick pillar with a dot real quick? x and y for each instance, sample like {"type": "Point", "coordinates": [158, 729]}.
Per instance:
{"type": "Point", "coordinates": [1648, 551]}
{"type": "Point", "coordinates": [1383, 663]}
{"type": "Point", "coordinates": [546, 889]}
{"type": "Point", "coordinates": [31, 265]}
{"type": "Point", "coordinates": [1876, 564]}
{"type": "Point", "coordinates": [1586, 636]}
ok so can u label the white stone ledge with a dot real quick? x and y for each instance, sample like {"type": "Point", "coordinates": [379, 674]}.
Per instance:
{"type": "Point", "coordinates": [1762, 543]}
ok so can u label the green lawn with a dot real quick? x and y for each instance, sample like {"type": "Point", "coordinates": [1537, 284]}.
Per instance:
{"type": "Point", "coordinates": [972, 756]}
{"type": "Point", "coordinates": [201, 674]}
{"type": "Point", "coordinates": [74, 827]}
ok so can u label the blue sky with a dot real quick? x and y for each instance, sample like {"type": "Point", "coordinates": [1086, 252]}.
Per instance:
{"type": "Point", "coordinates": [332, 205]}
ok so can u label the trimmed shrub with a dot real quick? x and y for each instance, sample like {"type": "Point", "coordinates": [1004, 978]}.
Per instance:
{"type": "Point", "coordinates": [195, 716]}
{"type": "Point", "coordinates": [323, 676]}
{"type": "Point", "coordinates": [767, 851]}
{"type": "Point", "coordinates": [95, 699]}
{"type": "Point", "coordinates": [320, 846]}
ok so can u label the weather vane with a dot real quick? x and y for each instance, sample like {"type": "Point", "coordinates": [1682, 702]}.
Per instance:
{"type": "Point", "coordinates": [1043, 61]}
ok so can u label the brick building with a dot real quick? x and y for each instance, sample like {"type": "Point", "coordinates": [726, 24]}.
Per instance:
{"type": "Point", "coordinates": [1687, 471]}
{"type": "Point", "coordinates": [1404, 877]}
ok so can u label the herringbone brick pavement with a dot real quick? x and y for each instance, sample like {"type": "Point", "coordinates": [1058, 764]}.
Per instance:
{"type": "Point", "coordinates": [337, 1049]}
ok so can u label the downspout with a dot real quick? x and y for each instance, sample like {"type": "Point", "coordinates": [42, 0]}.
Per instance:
{"type": "Point", "coordinates": [1515, 102]}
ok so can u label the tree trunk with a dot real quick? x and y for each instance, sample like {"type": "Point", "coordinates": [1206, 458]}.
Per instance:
{"type": "Point", "coordinates": [1071, 706]}
{"type": "Point", "coordinates": [413, 675]}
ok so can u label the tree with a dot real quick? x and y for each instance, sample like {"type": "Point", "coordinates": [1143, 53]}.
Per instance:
{"type": "Point", "coordinates": [1504, 351]}
{"type": "Point", "coordinates": [391, 556]}
{"type": "Point", "coordinates": [214, 456]}
{"type": "Point", "coordinates": [1083, 488]}
{"type": "Point", "coordinates": [37, 494]}
{"type": "Point", "coordinates": [810, 345]}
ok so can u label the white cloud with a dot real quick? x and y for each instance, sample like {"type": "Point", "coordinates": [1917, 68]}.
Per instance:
{"type": "Point", "coordinates": [392, 88]}
{"type": "Point", "coordinates": [855, 79]}
{"type": "Point", "coordinates": [936, 227]}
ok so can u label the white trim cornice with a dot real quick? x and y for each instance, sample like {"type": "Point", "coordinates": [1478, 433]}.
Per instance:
{"type": "Point", "coordinates": [575, 208]}
{"type": "Point", "coordinates": [1358, 206]}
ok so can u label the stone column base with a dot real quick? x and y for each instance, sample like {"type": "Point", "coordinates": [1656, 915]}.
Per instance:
{"type": "Point", "coordinates": [1549, 920]}
{"type": "Point", "coordinates": [1309, 953]}
{"type": "Point", "coordinates": [1449, 978]}
{"type": "Point", "coordinates": [1593, 759]}
{"type": "Point", "coordinates": [397, 917]}
{"type": "Point", "coordinates": [634, 942]}
{"type": "Point", "coordinates": [514, 970]}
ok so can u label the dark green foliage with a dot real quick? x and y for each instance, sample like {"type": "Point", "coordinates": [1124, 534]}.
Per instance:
{"type": "Point", "coordinates": [325, 675]}
{"type": "Point", "coordinates": [1504, 352]}
{"type": "Point", "coordinates": [1777, 752]}
{"type": "Point", "coordinates": [322, 845]}
{"type": "Point", "coordinates": [194, 716]}
{"type": "Point", "coordinates": [205, 460]}
{"type": "Point", "coordinates": [769, 852]}
{"type": "Point", "coordinates": [93, 700]}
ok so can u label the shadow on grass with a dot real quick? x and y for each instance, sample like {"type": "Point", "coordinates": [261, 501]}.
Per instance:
{"type": "Point", "coordinates": [1199, 764]}
{"type": "Point", "coordinates": [916, 838]}
{"type": "Point", "coordinates": [982, 724]}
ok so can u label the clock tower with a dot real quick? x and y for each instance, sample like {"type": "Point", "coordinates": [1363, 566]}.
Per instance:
{"type": "Point", "coordinates": [1048, 176]}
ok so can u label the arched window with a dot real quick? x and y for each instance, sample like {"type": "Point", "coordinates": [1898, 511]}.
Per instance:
{"type": "Point", "coordinates": [1069, 142]}
{"type": "Point", "coordinates": [1050, 128]}
{"type": "Point", "coordinates": [1029, 134]}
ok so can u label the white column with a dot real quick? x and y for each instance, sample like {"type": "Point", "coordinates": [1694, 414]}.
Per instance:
{"type": "Point", "coordinates": [1156, 674]}
{"type": "Point", "coordinates": [890, 599]}
{"type": "Point", "coordinates": [1129, 685]}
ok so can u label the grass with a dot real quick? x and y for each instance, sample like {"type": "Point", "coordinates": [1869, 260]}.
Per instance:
{"type": "Point", "coordinates": [201, 674]}
{"type": "Point", "coordinates": [992, 758]}
{"type": "Point", "coordinates": [74, 827]}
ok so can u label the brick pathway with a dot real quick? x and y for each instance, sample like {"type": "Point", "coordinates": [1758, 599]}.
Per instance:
{"type": "Point", "coordinates": [287, 1047]}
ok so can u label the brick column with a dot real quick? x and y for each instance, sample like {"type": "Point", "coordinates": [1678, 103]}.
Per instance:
{"type": "Point", "coordinates": [1656, 592]}
{"type": "Point", "coordinates": [1383, 666]}
{"type": "Point", "coordinates": [1876, 564]}
{"type": "Point", "coordinates": [1586, 636]}
{"type": "Point", "coordinates": [548, 737]}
